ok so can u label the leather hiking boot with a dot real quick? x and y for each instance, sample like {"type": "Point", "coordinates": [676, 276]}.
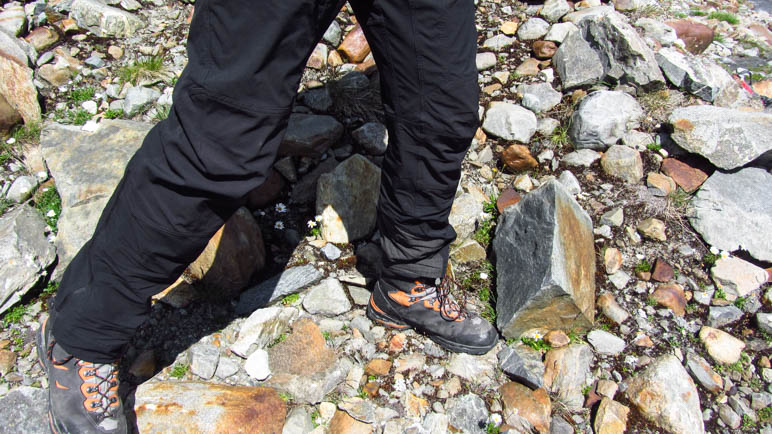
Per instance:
{"type": "Point", "coordinates": [430, 310]}
{"type": "Point", "coordinates": [82, 396]}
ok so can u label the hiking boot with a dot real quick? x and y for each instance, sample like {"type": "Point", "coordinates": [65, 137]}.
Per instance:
{"type": "Point", "coordinates": [430, 310]}
{"type": "Point", "coordinates": [82, 396]}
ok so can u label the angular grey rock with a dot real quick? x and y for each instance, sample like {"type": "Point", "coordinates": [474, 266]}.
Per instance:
{"type": "Point", "coordinates": [764, 321]}
{"type": "Point", "coordinates": [731, 210]}
{"type": "Point", "coordinates": [333, 34]}
{"type": "Point", "coordinates": [588, 14]}
{"type": "Point", "coordinates": [560, 426]}
{"type": "Point", "coordinates": [605, 343]}
{"type": "Point", "coordinates": [509, 122]}
{"type": "Point", "coordinates": [331, 251]}
{"type": "Point", "coordinates": [465, 211]}
{"type": "Point", "coordinates": [540, 97]}
{"type": "Point", "coordinates": [701, 370]}
{"type": "Point", "coordinates": [619, 279]}
{"type": "Point", "coordinates": [14, 49]}
{"type": "Point", "coordinates": [568, 372]}
{"type": "Point", "coordinates": [582, 157]}
{"type": "Point", "coordinates": [23, 410]}
{"type": "Point", "coordinates": [523, 364]}
{"type": "Point", "coordinates": [104, 21]}
{"type": "Point", "coordinates": [532, 29]}
{"type": "Point", "coordinates": [361, 296]}
{"type": "Point", "coordinates": [570, 182]}
{"type": "Point", "coordinates": [729, 417]}
{"type": "Point", "coordinates": [139, 97]}
{"type": "Point", "coordinates": [603, 118]}
{"type": "Point", "coordinates": [760, 400]}
{"type": "Point", "coordinates": [13, 19]}
{"type": "Point", "coordinates": [436, 423]}
{"type": "Point", "coordinates": [87, 167]}
{"type": "Point", "coordinates": [21, 189]}
{"type": "Point", "coordinates": [25, 254]}
{"type": "Point", "coordinates": [546, 126]}
{"type": "Point", "coordinates": [479, 370]}
{"type": "Point", "coordinates": [346, 199]}
{"type": "Point", "coordinates": [327, 298]}
{"type": "Point", "coordinates": [560, 31]}
{"type": "Point", "coordinates": [546, 261]}
{"type": "Point", "coordinates": [373, 137]}
{"type": "Point", "coordinates": [728, 138]}
{"type": "Point", "coordinates": [304, 191]}
{"type": "Point", "coordinates": [467, 414]}
{"type": "Point", "coordinates": [623, 162]}
{"type": "Point", "coordinates": [310, 135]}
{"type": "Point", "coordinates": [203, 360]}
{"type": "Point", "coordinates": [658, 31]}
{"type": "Point", "coordinates": [485, 60]}
{"type": "Point", "coordinates": [287, 282]}
{"type": "Point", "coordinates": [553, 10]}
{"type": "Point", "coordinates": [613, 218]}
{"type": "Point", "coordinates": [262, 328]}
{"type": "Point", "coordinates": [317, 99]}
{"type": "Point", "coordinates": [298, 420]}
{"type": "Point", "coordinates": [577, 63]}
{"type": "Point", "coordinates": [258, 365]}
{"type": "Point", "coordinates": [498, 42]}
{"type": "Point", "coordinates": [226, 367]}
{"type": "Point", "coordinates": [719, 316]}
{"type": "Point", "coordinates": [359, 409]}
{"type": "Point", "coordinates": [666, 395]}
{"type": "Point", "coordinates": [697, 75]}
{"type": "Point", "coordinates": [625, 56]}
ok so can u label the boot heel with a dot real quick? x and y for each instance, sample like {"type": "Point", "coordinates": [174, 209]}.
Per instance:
{"type": "Point", "coordinates": [379, 316]}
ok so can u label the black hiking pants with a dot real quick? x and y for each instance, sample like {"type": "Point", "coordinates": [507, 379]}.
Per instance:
{"type": "Point", "coordinates": [230, 112]}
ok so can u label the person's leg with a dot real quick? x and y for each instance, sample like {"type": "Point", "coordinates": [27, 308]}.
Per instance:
{"type": "Point", "coordinates": [192, 172]}
{"type": "Point", "coordinates": [425, 52]}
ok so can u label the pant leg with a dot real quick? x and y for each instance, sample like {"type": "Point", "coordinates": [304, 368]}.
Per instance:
{"type": "Point", "coordinates": [230, 112]}
{"type": "Point", "coordinates": [425, 52]}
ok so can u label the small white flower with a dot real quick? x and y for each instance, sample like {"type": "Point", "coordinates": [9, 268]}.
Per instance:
{"type": "Point", "coordinates": [311, 224]}
{"type": "Point", "coordinates": [399, 385]}
{"type": "Point", "coordinates": [280, 208]}
{"type": "Point", "coordinates": [51, 213]}
{"type": "Point", "coordinates": [318, 218]}
{"type": "Point", "coordinates": [495, 419]}
{"type": "Point", "coordinates": [279, 225]}
{"type": "Point", "coordinates": [663, 153]}
{"type": "Point", "coordinates": [10, 141]}
{"type": "Point", "coordinates": [724, 254]}
{"type": "Point", "coordinates": [714, 250]}
{"type": "Point", "coordinates": [484, 276]}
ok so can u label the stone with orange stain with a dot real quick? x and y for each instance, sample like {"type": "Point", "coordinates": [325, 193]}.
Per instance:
{"type": "Point", "coordinates": [415, 406]}
{"type": "Point", "coordinates": [371, 389]}
{"type": "Point", "coordinates": [671, 295]}
{"type": "Point", "coordinates": [687, 177]}
{"type": "Point", "coordinates": [611, 417]}
{"type": "Point", "coordinates": [378, 367]}
{"type": "Point", "coordinates": [318, 58]}
{"type": "Point", "coordinates": [509, 27]}
{"type": "Point", "coordinates": [7, 361]}
{"type": "Point", "coordinates": [355, 46]}
{"type": "Point", "coordinates": [544, 49]}
{"type": "Point", "coordinates": [643, 341]}
{"type": "Point", "coordinates": [210, 408]}
{"type": "Point", "coordinates": [342, 423]}
{"type": "Point", "coordinates": [42, 38]}
{"type": "Point", "coordinates": [665, 394]}
{"type": "Point", "coordinates": [397, 342]}
{"type": "Point", "coordinates": [566, 372]}
{"type": "Point", "coordinates": [518, 157]}
{"type": "Point", "coordinates": [507, 198]}
{"type": "Point", "coordinates": [557, 338]}
{"type": "Point", "coordinates": [367, 65]}
{"type": "Point", "coordinates": [524, 409]}
{"type": "Point", "coordinates": [612, 260]}
{"type": "Point", "coordinates": [696, 36]}
{"type": "Point", "coordinates": [722, 347]}
{"type": "Point", "coordinates": [334, 59]}
{"type": "Point", "coordinates": [763, 88]}
{"type": "Point", "coordinates": [662, 272]}
{"type": "Point", "coordinates": [18, 89]}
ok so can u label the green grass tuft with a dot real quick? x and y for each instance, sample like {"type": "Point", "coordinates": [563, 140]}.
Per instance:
{"type": "Point", "coordinates": [140, 69]}
{"type": "Point", "coordinates": [724, 16]}
{"type": "Point", "coordinates": [48, 200]}
{"type": "Point", "coordinates": [179, 370]}
{"type": "Point", "coordinates": [15, 315]}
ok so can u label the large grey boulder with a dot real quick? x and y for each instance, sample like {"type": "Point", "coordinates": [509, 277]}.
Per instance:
{"type": "Point", "coordinates": [24, 252]}
{"type": "Point", "coordinates": [346, 199]}
{"type": "Point", "coordinates": [625, 55]}
{"type": "Point", "coordinates": [87, 167]}
{"type": "Point", "coordinates": [603, 118]}
{"type": "Point", "coordinates": [546, 262]}
{"type": "Point", "coordinates": [728, 138]}
{"type": "Point", "coordinates": [310, 135]}
{"type": "Point", "coordinates": [577, 63]}
{"type": "Point", "coordinates": [510, 122]}
{"type": "Point", "coordinates": [23, 410]}
{"type": "Point", "coordinates": [104, 21]}
{"type": "Point", "coordinates": [666, 395]}
{"type": "Point", "coordinates": [697, 75]}
{"type": "Point", "coordinates": [734, 211]}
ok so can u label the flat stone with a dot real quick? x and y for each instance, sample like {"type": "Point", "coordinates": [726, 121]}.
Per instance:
{"type": "Point", "coordinates": [378, 367]}
{"type": "Point", "coordinates": [557, 339]}
{"type": "Point", "coordinates": [310, 135]}
{"type": "Point", "coordinates": [104, 21]}
{"type": "Point", "coordinates": [327, 298]}
{"type": "Point", "coordinates": [613, 218]}
{"type": "Point", "coordinates": [287, 282]}
{"type": "Point", "coordinates": [509, 27]}
{"type": "Point", "coordinates": [701, 370]}
{"type": "Point", "coordinates": [529, 67]}
{"type": "Point", "coordinates": [567, 372]}
{"type": "Point", "coordinates": [729, 417]}
{"type": "Point", "coordinates": [298, 420]}
{"type": "Point", "coordinates": [18, 88]}
{"type": "Point", "coordinates": [723, 347]}
{"type": "Point", "coordinates": [662, 271]}
{"type": "Point", "coordinates": [507, 198]}
{"type": "Point", "coordinates": [581, 157]}
{"type": "Point", "coordinates": [539, 97]}
{"type": "Point", "coordinates": [467, 414]}
{"type": "Point", "coordinates": [622, 162]}
{"type": "Point", "coordinates": [687, 177]}
{"type": "Point", "coordinates": [468, 251]}
{"type": "Point", "coordinates": [22, 188]}
{"type": "Point", "coordinates": [557, 267]}
{"type": "Point", "coordinates": [553, 10]}
{"type": "Point", "coordinates": [532, 29]}
{"type": "Point", "coordinates": [671, 295]}
{"type": "Point", "coordinates": [662, 184]}
{"type": "Point", "coordinates": [346, 199]}
{"type": "Point", "coordinates": [605, 343]}
{"type": "Point", "coordinates": [464, 213]}
{"type": "Point", "coordinates": [588, 13]}
{"type": "Point", "coordinates": [526, 410]}
{"type": "Point", "coordinates": [203, 360]}
{"type": "Point", "coordinates": [728, 138]}
{"type": "Point", "coordinates": [13, 19]}
{"type": "Point", "coordinates": [21, 411]}
{"type": "Point", "coordinates": [731, 210]}
{"type": "Point", "coordinates": [736, 277]}
{"type": "Point", "coordinates": [262, 328]}
{"type": "Point", "coordinates": [257, 365]}
{"type": "Point", "coordinates": [653, 229]}
{"type": "Point", "coordinates": [522, 364]}
{"type": "Point", "coordinates": [612, 260]}
{"type": "Point", "coordinates": [602, 119]}
{"type": "Point", "coordinates": [666, 395]}
{"type": "Point", "coordinates": [720, 316]}
{"type": "Point", "coordinates": [764, 321]}
{"type": "Point", "coordinates": [361, 296]}
{"type": "Point", "coordinates": [611, 417]}
{"type": "Point", "coordinates": [658, 31]}
{"type": "Point", "coordinates": [485, 61]}
{"type": "Point", "coordinates": [611, 309]}
{"type": "Point", "coordinates": [474, 369]}
{"type": "Point", "coordinates": [330, 251]}
{"type": "Point", "coordinates": [576, 62]}
{"type": "Point", "coordinates": [359, 409]}
{"type": "Point", "coordinates": [619, 279]}
{"type": "Point", "coordinates": [570, 183]}
{"type": "Point", "coordinates": [509, 122]}
{"type": "Point", "coordinates": [498, 42]}
{"type": "Point", "coordinates": [207, 407]}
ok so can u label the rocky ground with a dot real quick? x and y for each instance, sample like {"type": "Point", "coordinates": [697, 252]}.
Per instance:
{"type": "Point", "coordinates": [613, 217]}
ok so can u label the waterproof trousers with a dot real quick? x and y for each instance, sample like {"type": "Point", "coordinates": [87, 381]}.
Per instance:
{"type": "Point", "coordinates": [229, 114]}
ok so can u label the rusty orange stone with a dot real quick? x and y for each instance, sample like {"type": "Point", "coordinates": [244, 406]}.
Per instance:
{"type": "Point", "coordinates": [518, 157]}
{"type": "Point", "coordinates": [687, 177]}
{"type": "Point", "coordinates": [355, 46]}
{"type": "Point", "coordinates": [507, 198]}
{"type": "Point", "coordinates": [672, 296]}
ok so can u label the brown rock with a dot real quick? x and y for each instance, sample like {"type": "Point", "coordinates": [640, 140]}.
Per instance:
{"type": "Point", "coordinates": [671, 295]}
{"type": "Point", "coordinates": [696, 36]}
{"type": "Point", "coordinates": [769, 273]}
{"type": "Point", "coordinates": [342, 423]}
{"type": "Point", "coordinates": [661, 182]}
{"type": "Point", "coordinates": [397, 342]}
{"type": "Point", "coordinates": [480, 136]}
{"type": "Point", "coordinates": [266, 193]}
{"type": "Point", "coordinates": [687, 177]}
{"type": "Point", "coordinates": [18, 89]}
{"type": "Point", "coordinates": [508, 198]}
{"type": "Point", "coordinates": [518, 157]}
{"type": "Point", "coordinates": [9, 117]}
{"type": "Point", "coordinates": [525, 409]}
{"type": "Point", "coordinates": [544, 49]}
{"type": "Point", "coordinates": [577, 96]}
{"type": "Point", "coordinates": [653, 229]}
{"type": "Point", "coordinates": [764, 362]}
{"type": "Point", "coordinates": [488, 90]}
{"type": "Point", "coordinates": [415, 406]}
{"type": "Point", "coordinates": [231, 257]}
{"type": "Point", "coordinates": [367, 64]}
{"type": "Point", "coordinates": [643, 275]}
{"type": "Point", "coordinates": [612, 260]}
{"type": "Point", "coordinates": [211, 408]}
{"type": "Point", "coordinates": [371, 389]}
{"type": "Point", "coordinates": [557, 338]}
{"type": "Point", "coordinates": [763, 87]}
{"type": "Point", "coordinates": [663, 272]}
{"type": "Point", "coordinates": [607, 388]}
{"type": "Point", "coordinates": [7, 361]}
{"type": "Point", "coordinates": [611, 417]}
{"type": "Point", "coordinates": [318, 58]}
{"type": "Point", "coordinates": [303, 352]}
{"type": "Point", "coordinates": [643, 341]}
{"type": "Point", "coordinates": [611, 309]}
{"type": "Point", "coordinates": [508, 27]}
{"type": "Point", "coordinates": [529, 67]}
{"type": "Point", "coordinates": [42, 38]}
{"type": "Point", "coordinates": [115, 52]}
{"type": "Point", "coordinates": [378, 367]}
{"type": "Point", "coordinates": [355, 46]}
{"type": "Point", "coordinates": [54, 76]}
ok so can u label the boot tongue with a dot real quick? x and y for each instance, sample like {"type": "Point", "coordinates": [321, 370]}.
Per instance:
{"type": "Point", "coordinates": [59, 355]}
